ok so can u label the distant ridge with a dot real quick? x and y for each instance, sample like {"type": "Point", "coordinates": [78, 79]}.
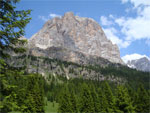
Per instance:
{"type": "Point", "coordinates": [142, 64]}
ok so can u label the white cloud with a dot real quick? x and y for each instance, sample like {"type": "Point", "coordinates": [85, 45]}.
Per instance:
{"type": "Point", "coordinates": [105, 21]}
{"type": "Point", "coordinates": [136, 28]}
{"type": "Point", "coordinates": [111, 34]}
{"type": "Point", "coordinates": [51, 15]}
{"type": "Point", "coordinates": [137, 3]}
{"type": "Point", "coordinates": [134, 56]}
{"type": "Point", "coordinates": [111, 16]}
{"type": "Point", "coordinates": [131, 28]}
{"type": "Point", "coordinates": [120, 21]}
{"type": "Point", "coordinates": [145, 13]}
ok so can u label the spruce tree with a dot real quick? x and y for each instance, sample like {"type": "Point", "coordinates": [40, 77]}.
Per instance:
{"type": "Point", "coordinates": [34, 100]}
{"type": "Point", "coordinates": [12, 24]}
{"type": "Point", "coordinates": [65, 101]}
{"type": "Point", "coordinates": [103, 104]}
{"type": "Point", "coordinates": [123, 100]}
{"type": "Point", "coordinates": [110, 99]}
{"type": "Point", "coordinates": [142, 101]}
{"type": "Point", "coordinates": [133, 95]}
{"type": "Point", "coordinates": [95, 98]}
{"type": "Point", "coordinates": [86, 100]}
{"type": "Point", "coordinates": [7, 91]}
{"type": "Point", "coordinates": [73, 100]}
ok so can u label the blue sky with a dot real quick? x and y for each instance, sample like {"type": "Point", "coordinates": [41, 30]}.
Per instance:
{"type": "Point", "coordinates": [125, 22]}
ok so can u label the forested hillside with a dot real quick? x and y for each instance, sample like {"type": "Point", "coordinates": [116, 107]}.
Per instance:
{"type": "Point", "coordinates": [30, 93]}
{"type": "Point", "coordinates": [116, 73]}
{"type": "Point", "coordinates": [74, 91]}
{"type": "Point", "coordinates": [78, 95]}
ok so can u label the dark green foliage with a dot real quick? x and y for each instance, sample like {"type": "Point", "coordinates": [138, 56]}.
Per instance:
{"type": "Point", "coordinates": [74, 95]}
{"type": "Point", "coordinates": [102, 101]}
{"type": "Point", "coordinates": [78, 95]}
{"type": "Point", "coordinates": [7, 90]}
{"type": "Point", "coordinates": [23, 93]}
{"type": "Point", "coordinates": [12, 24]}
{"type": "Point", "coordinates": [67, 101]}
{"type": "Point", "coordinates": [17, 91]}
{"type": "Point", "coordinates": [35, 94]}
{"type": "Point", "coordinates": [110, 99]}
{"type": "Point", "coordinates": [123, 100]}
{"type": "Point", "coordinates": [142, 101]}
{"type": "Point", "coordinates": [95, 99]}
{"type": "Point", "coordinates": [102, 96]}
{"type": "Point", "coordinates": [65, 104]}
{"type": "Point", "coordinates": [86, 100]}
{"type": "Point", "coordinates": [132, 76]}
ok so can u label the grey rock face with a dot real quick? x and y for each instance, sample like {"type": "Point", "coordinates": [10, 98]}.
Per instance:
{"type": "Point", "coordinates": [69, 55]}
{"type": "Point", "coordinates": [142, 64]}
{"type": "Point", "coordinates": [75, 34]}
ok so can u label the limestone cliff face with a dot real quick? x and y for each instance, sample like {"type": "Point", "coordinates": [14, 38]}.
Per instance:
{"type": "Point", "coordinates": [76, 34]}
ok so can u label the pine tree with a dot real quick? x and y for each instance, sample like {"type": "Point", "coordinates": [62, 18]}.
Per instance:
{"type": "Point", "coordinates": [73, 100]}
{"type": "Point", "coordinates": [7, 91]}
{"type": "Point", "coordinates": [103, 104]}
{"type": "Point", "coordinates": [65, 101]}
{"type": "Point", "coordinates": [22, 99]}
{"type": "Point", "coordinates": [133, 95]}
{"type": "Point", "coordinates": [123, 100]}
{"type": "Point", "coordinates": [142, 101]}
{"type": "Point", "coordinates": [12, 24]}
{"type": "Point", "coordinates": [95, 98]}
{"type": "Point", "coordinates": [86, 100]}
{"type": "Point", "coordinates": [34, 101]}
{"type": "Point", "coordinates": [110, 99]}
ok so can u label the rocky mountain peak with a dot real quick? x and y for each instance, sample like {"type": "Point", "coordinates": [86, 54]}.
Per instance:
{"type": "Point", "coordinates": [68, 15]}
{"type": "Point", "coordinates": [76, 34]}
{"type": "Point", "coordinates": [142, 64]}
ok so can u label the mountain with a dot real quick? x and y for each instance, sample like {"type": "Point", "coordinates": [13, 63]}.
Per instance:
{"type": "Point", "coordinates": [74, 47]}
{"type": "Point", "coordinates": [75, 39]}
{"type": "Point", "coordinates": [142, 64]}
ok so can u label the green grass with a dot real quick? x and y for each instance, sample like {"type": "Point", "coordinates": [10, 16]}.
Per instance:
{"type": "Point", "coordinates": [52, 107]}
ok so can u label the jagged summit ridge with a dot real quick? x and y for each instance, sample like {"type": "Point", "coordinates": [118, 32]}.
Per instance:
{"type": "Point", "coordinates": [142, 64]}
{"type": "Point", "coordinates": [76, 34]}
